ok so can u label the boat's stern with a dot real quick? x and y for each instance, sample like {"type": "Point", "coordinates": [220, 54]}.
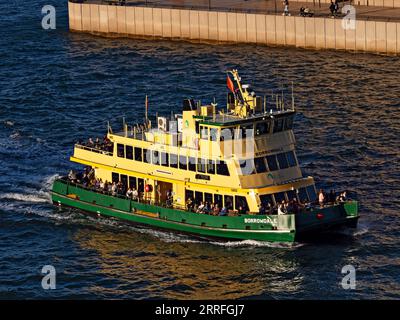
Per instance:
{"type": "Point", "coordinates": [343, 215]}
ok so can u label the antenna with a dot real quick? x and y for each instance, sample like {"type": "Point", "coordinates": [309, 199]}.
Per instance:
{"type": "Point", "coordinates": [292, 98]}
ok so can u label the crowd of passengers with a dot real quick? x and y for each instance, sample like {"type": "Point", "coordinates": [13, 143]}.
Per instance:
{"type": "Point", "coordinates": [104, 144]}
{"type": "Point", "coordinates": [87, 179]}
{"type": "Point", "coordinates": [294, 206]}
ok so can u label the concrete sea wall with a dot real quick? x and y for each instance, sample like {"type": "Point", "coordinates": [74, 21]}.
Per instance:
{"type": "Point", "coordinates": [197, 25]}
{"type": "Point", "coordinates": [372, 3]}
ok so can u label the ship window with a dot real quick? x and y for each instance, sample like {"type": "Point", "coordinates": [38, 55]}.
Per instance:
{"type": "Point", "coordinates": [140, 185]}
{"type": "Point", "coordinates": [198, 197]}
{"type": "Point", "coordinates": [155, 157]}
{"type": "Point", "coordinates": [115, 177]}
{"type": "Point", "coordinates": [213, 134]}
{"type": "Point", "coordinates": [218, 199]}
{"type": "Point", "coordinates": [291, 159]}
{"type": "Point", "coordinates": [272, 165]}
{"type": "Point", "coordinates": [311, 193]}
{"type": "Point", "coordinates": [262, 128]}
{"type": "Point", "coordinates": [247, 166]}
{"type": "Point", "coordinates": [260, 165]}
{"type": "Point", "coordinates": [183, 162]}
{"type": "Point", "coordinates": [208, 197]}
{"type": "Point", "coordinates": [204, 133]}
{"type": "Point", "coordinates": [278, 125]}
{"type": "Point", "coordinates": [228, 200]}
{"type": "Point", "coordinates": [124, 180]}
{"type": "Point", "coordinates": [288, 123]}
{"type": "Point", "coordinates": [201, 165]}
{"type": "Point", "coordinates": [132, 182]}
{"type": "Point", "coordinates": [241, 202]}
{"type": "Point", "coordinates": [192, 164]}
{"type": "Point", "coordinates": [146, 156]}
{"type": "Point", "coordinates": [283, 163]}
{"type": "Point", "coordinates": [226, 134]}
{"type": "Point", "coordinates": [120, 150]}
{"type": "Point", "coordinates": [138, 154]}
{"type": "Point", "coordinates": [222, 168]}
{"type": "Point", "coordinates": [173, 160]}
{"type": "Point", "coordinates": [291, 194]}
{"type": "Point", "coordinates": [129, 152]}
{"type": "Point", "coordinates": [279, 197]}
{"type": "Point", "coordinates": [266, 198]}
{"type": "Point", "coordinates": [211, 167]}
{"type": "Point", "coordinates": [247, 131]}
{"type": "Point", "coordinates": [189, 194]}
{"type": "Point", "coordinates": [197, 127]}
{"type": "Point", "coordinates": [302, 195]}
{"type": "Point", "coordinates": [164, 159]}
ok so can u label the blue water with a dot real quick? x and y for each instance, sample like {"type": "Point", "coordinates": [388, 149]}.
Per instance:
{"type": "Point", "coordinates": [57, 87]}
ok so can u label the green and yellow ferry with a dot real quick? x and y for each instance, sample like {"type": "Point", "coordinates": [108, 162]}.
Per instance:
{"type": "Point", "coordinates": [229, 174]}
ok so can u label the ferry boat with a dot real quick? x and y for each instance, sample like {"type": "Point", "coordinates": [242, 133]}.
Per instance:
{"type": "Point", "coordinates": [229, 173]}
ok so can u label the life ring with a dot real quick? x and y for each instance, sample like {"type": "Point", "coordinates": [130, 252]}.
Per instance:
{"type": "Point", "coordinates": [148, 188]}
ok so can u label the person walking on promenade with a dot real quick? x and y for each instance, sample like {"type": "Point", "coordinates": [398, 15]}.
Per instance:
{"type": "Point", "coordinates": [286, 10]}
{"type": "Point", "coordinates": [336, 7]}
{"type": "Point", "coordinates": [332, 9]}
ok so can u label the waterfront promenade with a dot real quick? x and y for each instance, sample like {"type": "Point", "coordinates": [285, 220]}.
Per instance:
{"type": "Point", "coordinates": [376, 28]}
{"type": "Point", "coordinates": [320, 8]}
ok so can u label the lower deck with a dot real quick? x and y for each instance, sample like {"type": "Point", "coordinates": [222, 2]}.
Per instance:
{"type": "Point", "coordinates": [281, 228]}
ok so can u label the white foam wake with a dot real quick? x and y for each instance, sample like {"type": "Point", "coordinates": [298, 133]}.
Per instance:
{"type": "Point", "coordinates": [34, 198]}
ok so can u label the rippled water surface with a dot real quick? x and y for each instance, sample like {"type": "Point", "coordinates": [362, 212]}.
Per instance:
{"type": "Point", "coordinates": [57, 87]}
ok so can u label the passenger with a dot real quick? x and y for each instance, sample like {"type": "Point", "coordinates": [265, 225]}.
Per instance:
{"type": "Point", "coordinates": [289, 207]}
{"type": "Point", "coordinates": [281, 208]}
{"type": "Point", "coordinates": [189, 204]}
{"type": "Point", "coordinates": [72, 176]}
{"type": "Point", "coordinates": [269, 208]}
{"type": "Point", "coordinates": [114, 189]}
{"type": "Point", "coordinates": [135, 194]}
{"type": "Point", "coordinates": [207, 208]}
{"type": "Point", "coordinates": [129, 193]}
{"type": "Point", "coordinates": [169, 198]}
{"type": "Point", "coordinates": [331, 197]}
{"type": "Point", "coordinates": [241, 210]}
{"type": "Point", "coordinates": [295, 206]}
{"type": "Point", "coordinates": [224, 211]}
{"type": "Point", "coordinates": [90, 142]}
{"type": "Point", "coordinates": [321, 198]}
{"type": "Point", "coordinates": [101, 184]}
{"type": "Point", "coordinates": [261, 209]}
{"type": "Point", "coordinates": [201, 207]}
{"type": "Point", "coordinates": [342, 197]}
{"type": "Point", "coordinates": [216, 210]}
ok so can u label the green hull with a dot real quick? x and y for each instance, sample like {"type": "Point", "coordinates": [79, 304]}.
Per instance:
{"type": "Point", "coordinates": [246, 227]}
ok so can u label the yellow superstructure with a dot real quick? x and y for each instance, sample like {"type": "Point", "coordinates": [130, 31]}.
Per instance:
{"type": "Point", "coordinates": [238, 156]}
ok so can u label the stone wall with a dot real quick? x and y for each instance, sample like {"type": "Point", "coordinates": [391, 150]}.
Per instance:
{"type": "Point", "coordinates": [317, 33]}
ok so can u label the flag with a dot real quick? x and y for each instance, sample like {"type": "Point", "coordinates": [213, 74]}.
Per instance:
{"type": "Point", "coordinates": [229, 83]}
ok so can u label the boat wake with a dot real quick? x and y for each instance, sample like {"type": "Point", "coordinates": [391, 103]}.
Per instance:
{"type": "Point", "coordinates": [39, 197]}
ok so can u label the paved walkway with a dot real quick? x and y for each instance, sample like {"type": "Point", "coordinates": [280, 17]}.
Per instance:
{"type": "Point", "coordinates": [265, 6]}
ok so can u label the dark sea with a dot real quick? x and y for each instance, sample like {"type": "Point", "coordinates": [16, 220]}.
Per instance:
{"type": "Point", "coordinates": [57, 87]}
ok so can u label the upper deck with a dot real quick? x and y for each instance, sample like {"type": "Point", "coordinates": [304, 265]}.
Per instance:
{"type": "Point", "coordinates": [250, 145]}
